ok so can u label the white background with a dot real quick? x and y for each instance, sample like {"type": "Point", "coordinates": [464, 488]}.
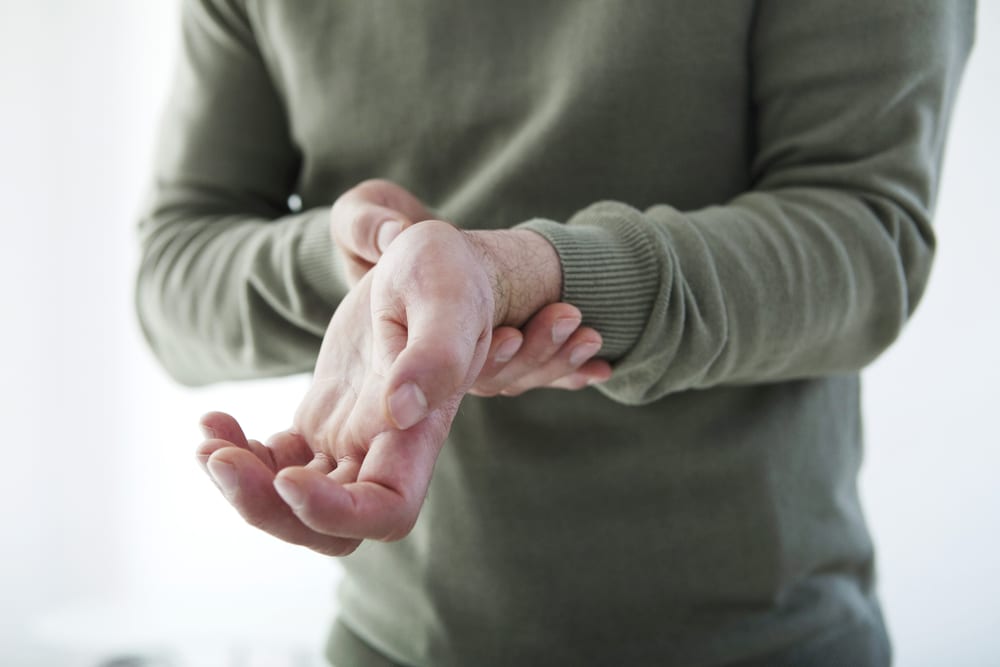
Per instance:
{"type": "Point", "coordinates": [112, 541]}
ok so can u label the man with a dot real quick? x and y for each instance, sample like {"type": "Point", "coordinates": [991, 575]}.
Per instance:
{"type": "Point", "coordinates": [732, 198]}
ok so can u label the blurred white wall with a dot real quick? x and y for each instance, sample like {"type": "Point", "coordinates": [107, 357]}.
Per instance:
{"type": "Point", "coordinates": [932, 400]}
{"type": "Point", "coordinates": [111, 538]}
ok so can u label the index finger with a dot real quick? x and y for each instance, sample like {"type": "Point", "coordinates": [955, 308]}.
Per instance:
{"type": "Point", "coordinates": [385, 500]}
{"type": "Point", "coordinates": [249, 488]}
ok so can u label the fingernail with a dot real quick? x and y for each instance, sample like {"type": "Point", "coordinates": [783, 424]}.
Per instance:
{"type": "Point", "coordinates": [290, 492]}
{"type": "Point", "coordinates": [389, 230]}
{"type": "Point", "coordinates": [563, 329]}
{"type": "Point", "coordinates": [583, 352]}
{"type": "Point", "coordinates": [407, 406]}
{"type": "Point", "coordinates": [507, 350]}
{"type": "Point", "coordinates": [207, 432]}
{"type": "Point", "coordinates": [224, 475]}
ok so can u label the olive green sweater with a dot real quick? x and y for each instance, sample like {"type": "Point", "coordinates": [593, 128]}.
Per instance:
{"type": "Point", "coordinates": [740, 194]}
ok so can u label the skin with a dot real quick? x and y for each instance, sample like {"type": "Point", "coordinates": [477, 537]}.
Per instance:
{"type": "Point", "coordinates": [413, 336]}
{"type": "Point", "coordinates": [551, 350]}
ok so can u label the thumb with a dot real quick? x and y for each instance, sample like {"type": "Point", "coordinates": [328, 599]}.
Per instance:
{"type": "Point", "coordinates": [365, 230]}
{"type": "Point", "coordinates": [445, 348]}
{"type": "Point", "coordinates": [366, 218]}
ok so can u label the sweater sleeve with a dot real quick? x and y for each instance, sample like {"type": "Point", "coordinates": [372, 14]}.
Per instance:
{"type": "Point", "coordinates": [817, 267]}
{"type": "Point", "coordinates": [232, 284]}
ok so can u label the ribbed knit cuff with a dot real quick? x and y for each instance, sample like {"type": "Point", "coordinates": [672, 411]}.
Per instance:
{"type": "Point", "coordinates": [316, 258]}
{"type": "Point", "coordinates": [610, 271]}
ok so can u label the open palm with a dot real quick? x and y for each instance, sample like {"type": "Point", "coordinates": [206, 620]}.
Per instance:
{"type": "Point", "coordinates": [400, 352]}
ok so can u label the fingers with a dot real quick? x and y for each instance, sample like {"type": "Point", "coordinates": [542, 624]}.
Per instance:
{"type": "Point", "coordinates": [544, 335]}
{"type": "Point", "coordinates": [593, 372]}
{"type": "Point", "coordinates": [383, 501]}
{"type": "Point", "coordinates": [555, 352]}
{"type": "Point", "coordinates": [325, 506]}
{"type": "Point", "coordinates": [289, 449]}
{"type": "Point", "coordinates": [221, 430]}
{"type": "Point", "coordinates": [507, 341]}
{"type": "Point", "coordinates": [359, 510]}
{"type": "Point", "coordinates": [569, 360]}
{"type": "Point", "coordinates": [248, 484]}
{"type": "Point", "coordinates": [222, 426]}
{"type": "Point", "coordinates": [244, 470]}
{"type": "Point", "coordinates": [365, 219]}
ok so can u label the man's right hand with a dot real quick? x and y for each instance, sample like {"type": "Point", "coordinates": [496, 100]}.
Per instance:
{"type": "Point", "coordinates": [399, 354]}
{"type": "Point", "coordinates": [551, 350]}
{"type": "Point", "coordinates": [402, 349]}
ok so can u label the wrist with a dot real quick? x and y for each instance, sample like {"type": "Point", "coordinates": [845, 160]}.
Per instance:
{"type": "Point", "coordinates": [524, 271]}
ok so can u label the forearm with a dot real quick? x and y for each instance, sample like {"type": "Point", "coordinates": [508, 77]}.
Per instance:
{"type": "Point", "coordinates": [232, 284]}
{"type": "Point", "coordinates": [773, 286]}
{"type": "Point", "coordinates": [224, 297]}
{"type": "Point", "coordinates": [816, 268]}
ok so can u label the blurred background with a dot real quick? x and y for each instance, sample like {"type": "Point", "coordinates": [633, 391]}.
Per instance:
{"type": "Point", "coordinates": [114, 548]}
